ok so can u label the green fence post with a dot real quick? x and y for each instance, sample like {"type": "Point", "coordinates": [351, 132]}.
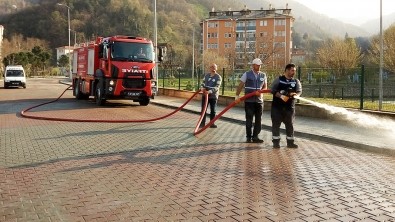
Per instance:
{"type": "Point", "coordinates": [299, 72]}
{"type": "Point", "coordinates": [223, 81]}
{"type": "Point", "coordinates": [342, 93]}
{"type": "Point", "coordinates": [319, 92]}
{"type": "Point", "coordinates": [198, 78]}
{"type": "Point", "coordinates": [179, 79]}
{"type": "Point", "coordinates": [362, 86]}
{"type": "Point", "coordinates": [164, 74]}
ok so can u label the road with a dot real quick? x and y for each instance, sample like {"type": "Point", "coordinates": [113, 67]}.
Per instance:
{"type": "Point", "coordinates": [159, 171]}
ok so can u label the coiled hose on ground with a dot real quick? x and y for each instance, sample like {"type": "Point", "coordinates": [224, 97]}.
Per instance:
{"type": "Point", "coordinates": [195, 132]}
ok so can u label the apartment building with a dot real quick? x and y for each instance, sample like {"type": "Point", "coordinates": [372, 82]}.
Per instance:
{"type": "Point", "coordinates": [241, 36]}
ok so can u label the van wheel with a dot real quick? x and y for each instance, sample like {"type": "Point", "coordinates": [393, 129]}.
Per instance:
{"type": "Point", "coordinates": [99, 96]}
{"type": "Point", "coordinates": [24, 86]}
{"type": "Point", "coordinates": [144, 102]}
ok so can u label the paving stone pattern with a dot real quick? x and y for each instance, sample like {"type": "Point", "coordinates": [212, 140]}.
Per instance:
{"type": "Point", "coordinates": [64, 171]}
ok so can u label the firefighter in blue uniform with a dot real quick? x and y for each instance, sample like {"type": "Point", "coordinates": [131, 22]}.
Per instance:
{"type": "Point", "coordinates": [252, 81]}
{"type": "Point", "coordinates": [210, 85]}
{"type": "Point", "coordinates": [284, 89]}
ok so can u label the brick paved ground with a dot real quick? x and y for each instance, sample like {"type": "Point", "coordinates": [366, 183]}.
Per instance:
{"type": "Point", "coordinates": [61, 171]}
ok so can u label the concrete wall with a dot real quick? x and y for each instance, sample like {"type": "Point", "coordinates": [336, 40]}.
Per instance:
{"type": "Point", "coordinates": [301, 109]}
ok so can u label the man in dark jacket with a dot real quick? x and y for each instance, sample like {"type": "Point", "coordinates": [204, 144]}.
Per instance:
{"type": "Point", "coordinates": [284, 89]}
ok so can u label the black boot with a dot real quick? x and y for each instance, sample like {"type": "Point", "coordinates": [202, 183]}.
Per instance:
{"type": "Point", "coordinates": [276, 143]}
{"type": "Point", "coordinates": [291, 144]}
{"type": "Point", "coordinates": [213, 125]}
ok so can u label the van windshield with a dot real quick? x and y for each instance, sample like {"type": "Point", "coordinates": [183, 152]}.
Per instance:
{"type": "Point", "coordinates": [14, 73]}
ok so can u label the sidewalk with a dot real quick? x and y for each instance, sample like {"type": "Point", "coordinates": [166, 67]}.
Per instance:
{"type": "Point", "coordinates": [340, 133]}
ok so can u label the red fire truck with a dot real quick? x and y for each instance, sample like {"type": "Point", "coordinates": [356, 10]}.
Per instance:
{"type": "Point", "coordinates": [116, 67]}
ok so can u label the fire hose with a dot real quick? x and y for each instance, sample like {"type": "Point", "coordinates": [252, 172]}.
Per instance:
{"type": "Point", "coordinates": [196, 131]}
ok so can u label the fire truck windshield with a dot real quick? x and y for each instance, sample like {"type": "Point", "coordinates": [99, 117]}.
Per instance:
{"type": "Point", "coordinates": [131, 51]}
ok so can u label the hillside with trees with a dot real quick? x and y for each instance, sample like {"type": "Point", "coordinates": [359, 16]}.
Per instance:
{"type": "Point", "coordinates": [44, 23]}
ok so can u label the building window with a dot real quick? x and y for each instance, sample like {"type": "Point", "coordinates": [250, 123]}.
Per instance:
{"type": "Point", "coordinates": [228, 45]}
{"type": "Point", "coordinates": [212, 24]}
{"type": "Point", "coordinates": [263, 23]}
{"type": "Point", "coordinates": [279, 33]}
{"type": "Point", "coordinates": [240, 34]}
{"type": "Point", "coordinates": [250, 34]}
{"type": "Point", "coordinates": [228, 35]}
{"type": "Point", "coordinates": [263, 34]}
{"type": "Point", "coordinates": [212, 46]}
{"type": "Point", "coordinates": [212, 35]}
{"type": "Point", "coordinates": [228, 24]}
{"type": "Point", "coordinates": [239, 45]}
{"type": "Point", "coordinates": [279, 22]}
{"type": "Point", "coordinates": [240, 24]}
{"type": "Point", "coordinates": [263, 45]}
{"type": "Point", "coordinates": [279, 44]}
{"type": "Point", "coordinates": [251, 23]}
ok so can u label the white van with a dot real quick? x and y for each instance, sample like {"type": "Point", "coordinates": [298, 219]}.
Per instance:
{"type": "Point", "coordinates": [14, 75]}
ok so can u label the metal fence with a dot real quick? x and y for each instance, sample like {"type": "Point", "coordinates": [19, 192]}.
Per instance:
{"type": "Point", "coordinates": [352, 88]}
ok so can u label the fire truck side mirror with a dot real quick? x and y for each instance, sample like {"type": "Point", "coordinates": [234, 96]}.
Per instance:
{"type": "Point", "coordinates": [161, 53]}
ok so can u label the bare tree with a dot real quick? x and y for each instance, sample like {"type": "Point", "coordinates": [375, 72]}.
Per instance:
{"type": "Point", "coordinates": [389, 49]}
{"type": "Point", "coordinates": [213, 57]}
{"type": "Point", "coordinates": [17, 43]}
{"type": "Point", "coordinates": [338, 55]}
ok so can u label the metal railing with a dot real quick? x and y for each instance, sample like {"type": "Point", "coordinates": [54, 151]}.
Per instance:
{"type": "Point", "coordinates": [351, 88]}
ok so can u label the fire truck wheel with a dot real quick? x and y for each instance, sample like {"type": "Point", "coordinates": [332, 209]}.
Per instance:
{"type": "Point", "coordinates": [144, 102]}
{"type": "Point", "coordinates": [99, 96]}
{"type": "Point", "coordinates": [77, 91]}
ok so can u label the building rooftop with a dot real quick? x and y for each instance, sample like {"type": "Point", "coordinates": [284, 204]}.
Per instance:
{"type": "Point", "coordinates": [249, 14]}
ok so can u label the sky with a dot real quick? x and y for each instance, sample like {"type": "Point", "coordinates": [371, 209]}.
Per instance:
{"type": "Point", "coordinates": [354, 12]}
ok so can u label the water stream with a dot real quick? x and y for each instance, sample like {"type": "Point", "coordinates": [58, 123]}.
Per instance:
{"type": "Point", "coordinates": [357, 118]}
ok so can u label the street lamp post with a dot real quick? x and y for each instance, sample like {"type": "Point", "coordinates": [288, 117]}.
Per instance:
{"type": "Point", "coordinates": [381, 58]}
{"type": "Point", "coordinates": [156, 48]}
{"type": "Point", "coordinates": [193, 59]}
{"type": "Point", "coordinates": [68, 21]}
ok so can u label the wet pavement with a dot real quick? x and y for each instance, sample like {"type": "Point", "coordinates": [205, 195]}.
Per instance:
{"type": "Point", "coordinates": [159, 171]}
{"type": "Point", "coordinates": [376, 139]}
